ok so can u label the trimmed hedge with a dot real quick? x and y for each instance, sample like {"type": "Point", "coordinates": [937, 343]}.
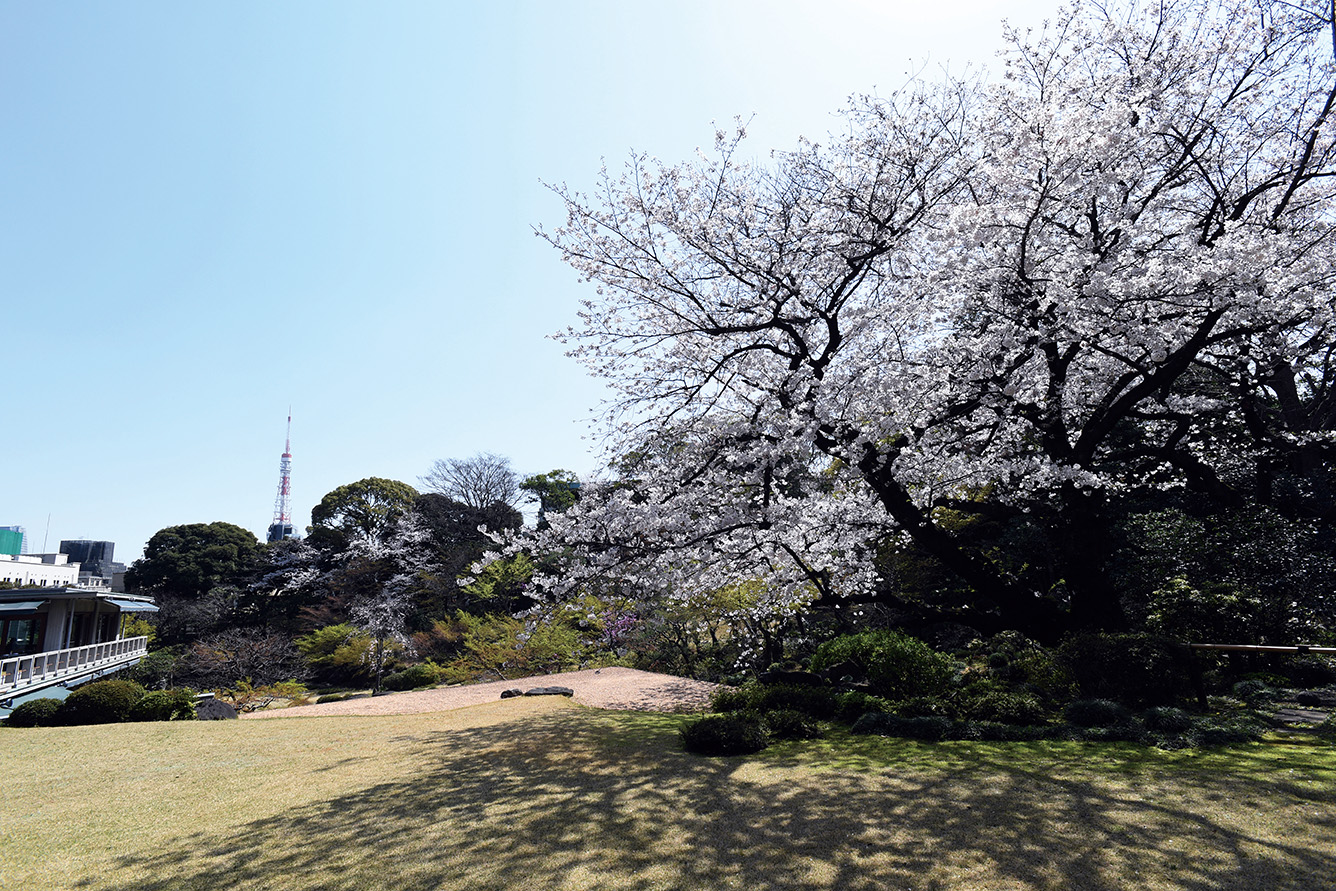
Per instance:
{"type": "Point", "coordinates": [1004, 708]}
{"type": "Point", "coordinates": [423, 674]}
{"type": "Point", "coordinates": [852, 705]}
{"type": "Point", "coordinates": [1096, 713]}
{"type": "Point", "coordinates": [817, 702]}
{"type": "Point", "coordinates": [735, 734]}
{"type": "Point", "coordinates": [896, 665]}
{"type": "Point", "coordinates": [101, 702]}
{"type": "Point", "coordinates": [790, 724]}
{"type": "Point", "coordinates": [165, 705]}
{"type": "Point", "coordinates": [34, 713]}
{"type": "Point", "coordinates": [931, 729]}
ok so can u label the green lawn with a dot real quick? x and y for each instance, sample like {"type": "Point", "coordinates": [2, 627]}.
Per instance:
{"type": "Point", "coordinates": [545, 794]}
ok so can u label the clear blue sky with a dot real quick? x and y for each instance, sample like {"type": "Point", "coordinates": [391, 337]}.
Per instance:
{"type": "Point", "coordinates": [212, 211]}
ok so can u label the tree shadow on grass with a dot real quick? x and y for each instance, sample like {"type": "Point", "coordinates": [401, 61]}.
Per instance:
{"type": "Point", "coordinates": [592, 801]}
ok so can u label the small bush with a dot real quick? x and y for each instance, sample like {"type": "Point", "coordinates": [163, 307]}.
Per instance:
{"type": "Point", "coordinates": [1308, 670]}
{"type": "Point", "coordinates": [735, 734]}
{"type": "Point", "coordinates": [1004, 708]}
{"type": "Point", "coordinates": [247, 697]}
{"type": "Point", "coordinates": [896, 665]}
{"type": "Point", "coordinates": [154, 671]}
{"type": "Point", "coordinates": [1228, 730]}
{"type": "Point", "coordinates": [995, 731]}
{"type": "Point", "coordinates": [1326, 730]}
{"type": "Point", "coordinates": [34, 713]}
{"type": "Point", "coordinates": [1096, 713]}
{"type": "Point", "coordinates": [334, 697]}
{"type": "Point", "coordinates": [791, 724]}
{"type": "Point", "coordinates": [101, 702]}
{"type": "Point", "coordinates": [1253, 691]}
{"type": "Point", "coordinates": [745, 697]}
{"type": "Point", "coordinates": [852, 705]}
{"type": "Point", "coordinates": [922, 707]}
{"type": "Point", "coordinates": [1136, 669]}
{"type": "Point", "coordinates": [1040, 671]}
{"type": "Point", "coordinates": [1167, 720]}
{"type": "Point", "coordinates": [931, 729]}
{"type": "Point", "coordinates": [1128, 732]}
{"type": "Point", "coordinates": [165, 705]}
{"type": "Point", "coordinates": [424, 674]}
{"type": "Point", "coordinates": [817, 702]}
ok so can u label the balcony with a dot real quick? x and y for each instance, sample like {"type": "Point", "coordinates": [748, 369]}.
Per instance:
{"type": "Point", "coordinates": [26, 674]}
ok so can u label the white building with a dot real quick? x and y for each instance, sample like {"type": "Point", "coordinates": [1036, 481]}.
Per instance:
{"type": "Point", "coordinates": [38, 570]}
{"type": "Point", "coordinates": [63, 635]}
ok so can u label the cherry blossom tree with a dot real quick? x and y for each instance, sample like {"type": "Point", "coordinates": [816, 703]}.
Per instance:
{"type": "Point", "coordinates": [1107, 270]}
{"type": "Point", "coordinates": [381, 609]}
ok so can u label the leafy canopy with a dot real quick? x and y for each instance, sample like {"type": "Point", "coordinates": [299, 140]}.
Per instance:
{"type": "Point", "coordinates": [188, 561]}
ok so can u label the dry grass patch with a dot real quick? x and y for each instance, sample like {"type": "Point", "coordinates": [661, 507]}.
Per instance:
{"type": "Point", "coordinates": [543, 794]}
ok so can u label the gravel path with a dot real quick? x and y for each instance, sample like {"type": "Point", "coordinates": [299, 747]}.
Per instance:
{"type": "Point", "coordinates": [614, 688]}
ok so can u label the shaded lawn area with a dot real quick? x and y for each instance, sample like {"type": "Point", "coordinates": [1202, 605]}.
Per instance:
{"type": "Point", "coordinates": [545, 794]}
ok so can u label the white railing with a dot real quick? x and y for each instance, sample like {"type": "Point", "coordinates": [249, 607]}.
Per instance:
{"type": "Point", "coordinates": [18, 673]}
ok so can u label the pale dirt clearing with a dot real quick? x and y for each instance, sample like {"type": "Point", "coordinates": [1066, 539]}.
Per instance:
{"type": "Point", "coordinates": [626, 689]}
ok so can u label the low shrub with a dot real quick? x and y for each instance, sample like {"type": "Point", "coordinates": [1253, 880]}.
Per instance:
{"type": "Point", "coordinates": [922, 707]}
{"type": "Point", "coordinates": [1254, 691]}
{"type": "Point", "coordinates": [791, 724]}
{"type": "Point", "coordinates": [1308, 670]}
{"type": "Point", "coordinates": [930, 728]}
{"type": "Point", "coordinates": [1326, 730]}
{"type": "Point", "coordinates": [165, 705]}
{"type": "Point", "coordinates": [1166, 719]}
{"type": "Point", "coordinates": [1223, 730]}
{"type": "Point", "coordinates": [996, 731]}
{"type": "Point", "coordinates": [740, 733]}
{"type": "Point", "coordinates": [154, 671]}
{"type": "Point", "coordinates": [1136, 669]}
{"type": "Point", "coordinates": [334, 697]}
{"type": "Point", "coordinates": [816, 702]}
{"type": "Point", "coordinates": [896, 665]}
{"type": "Point", "coordinates": [248, 697]}
{"type": "Point", "coordinates": [852, 705]}
{"type": "Point", "coordinates": [34, 713]}
{"type": "Point", "coordinates": [741, 698]}
{"type": "Point", "coordinates": [424, 674]}
{"type": "Point", "coordinates": [1004, 708]}
{"type": "Point", "coordinates": [1096, 713]}
{"type": "Point", "coordinates": [1129, 732]}
{"type": "Point", "coordinates": [101, 702]}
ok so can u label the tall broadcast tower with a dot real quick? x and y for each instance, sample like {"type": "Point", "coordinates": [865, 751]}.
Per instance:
{"type": "Point", "coordinates": [281, 528]}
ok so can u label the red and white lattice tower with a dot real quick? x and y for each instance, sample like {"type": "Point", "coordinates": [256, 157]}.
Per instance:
{"type": "Point", "coordinates": [281, 528]}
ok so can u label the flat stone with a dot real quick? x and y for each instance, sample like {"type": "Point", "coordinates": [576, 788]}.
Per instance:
{"type": "Point", "coordinates": [550, 691]}
{"type": "Point", "coordinates": [1300, 716]}
{"type": "Point", "coordinates": [511, 693]}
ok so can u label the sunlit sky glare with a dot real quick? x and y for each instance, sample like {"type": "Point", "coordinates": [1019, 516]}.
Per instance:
{"type": "Point", "coordinates": [210, 212]}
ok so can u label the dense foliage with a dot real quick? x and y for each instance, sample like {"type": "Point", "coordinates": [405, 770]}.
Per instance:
{"type": "Point", "coordinates": [737, 734]}
{"type": "Point", "coordinates": [164, 705]}
{"type": "Point", "coordinates": [34, 713]}
{"type": "Point", "coordinates": [100, 702]}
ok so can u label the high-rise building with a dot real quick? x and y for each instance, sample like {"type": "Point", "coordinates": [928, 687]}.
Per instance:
{"type": "Point", "coordinates": [96, 566]}
{"type": "Point", "coordinates": [13, 540]}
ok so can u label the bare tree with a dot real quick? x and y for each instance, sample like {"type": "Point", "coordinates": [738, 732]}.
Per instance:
{"type": "Point", "coordinates": [479, 482]}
